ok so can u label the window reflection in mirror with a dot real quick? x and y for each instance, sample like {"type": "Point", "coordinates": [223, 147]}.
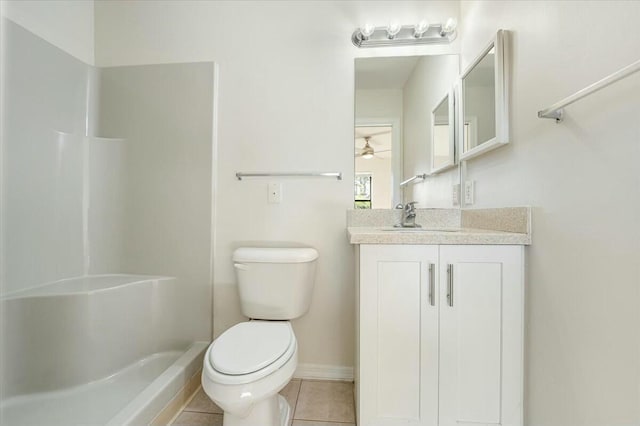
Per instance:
{"type": "Point", "coordinates": [478, 88]}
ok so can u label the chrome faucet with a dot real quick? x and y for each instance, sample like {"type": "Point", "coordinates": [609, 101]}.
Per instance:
{"type": "Point", "coordinates": [408, 216]}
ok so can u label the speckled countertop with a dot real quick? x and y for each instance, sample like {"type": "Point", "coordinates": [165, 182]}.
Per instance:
{"type": "Point", "coordinates": [444, 226]}
{"type": "Point", "coordinates": [380, 235]}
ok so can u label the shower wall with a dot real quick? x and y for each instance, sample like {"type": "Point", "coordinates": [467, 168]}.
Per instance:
{"type": "Point", "coordinates": [165, 115]}
{"type": "Point", "coordinates": [44, 120]}
{"type": "Point", "coordinates": [106, 171]}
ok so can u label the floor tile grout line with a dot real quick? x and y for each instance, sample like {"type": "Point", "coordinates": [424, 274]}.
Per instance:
{"type": "Point", "coordinates": [293, 415]}
{"type": "Point", "coordinates": [328, 421]}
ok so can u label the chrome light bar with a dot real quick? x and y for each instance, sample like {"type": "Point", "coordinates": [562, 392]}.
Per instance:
{"type": "Point", "coordinates": [407, 35]}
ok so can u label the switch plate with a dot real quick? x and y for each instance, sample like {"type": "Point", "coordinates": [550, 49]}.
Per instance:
{"type": "Point", "coordinates": [455, 194]}
{"type": "Point", "coordinates": [469, 196]}
{"type": "Point", "coordinates": [275, 193]}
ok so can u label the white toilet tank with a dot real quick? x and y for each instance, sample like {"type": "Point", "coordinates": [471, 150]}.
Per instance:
{"type": "Point", "coordinates": [275, 283]}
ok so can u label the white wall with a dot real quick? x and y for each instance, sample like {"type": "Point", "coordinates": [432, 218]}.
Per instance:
{"type": "Point", "coordinates": [67, 24]}
{"type": "Point", "coordinates": [431, 79]}
{"type": "Point", "coordinates": [383, 103]}
{"type": "Point", "coordinates": [285, 67]}
{"type": "Point", "coordinates": [581, 177]}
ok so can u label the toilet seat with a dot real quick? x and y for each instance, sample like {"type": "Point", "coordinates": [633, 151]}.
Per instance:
{"type": "Point", "coordinates": [250, 351]}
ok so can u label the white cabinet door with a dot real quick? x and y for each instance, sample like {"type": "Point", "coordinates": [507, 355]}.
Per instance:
{"type": "Point", "coordinates": [481, 328]}
{"type": "Point", "coordinates": [398, 336]}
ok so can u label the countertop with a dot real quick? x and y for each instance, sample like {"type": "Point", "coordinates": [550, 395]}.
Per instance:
{"type": "Point", "coordinates": [382, 235]}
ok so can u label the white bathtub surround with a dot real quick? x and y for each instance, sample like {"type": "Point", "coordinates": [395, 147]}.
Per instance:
{"type": "Point", "coordinates": [43, 161]}
{"type": "Point", "coordinates": [102, 180]}
{"type": "Point", "coordinates": [179, 401]}
{"type": "Point", "coordinates": [156, 396]}
{"type": "Point", "coordinates": [120, 339]}
{"type": "Point", "coordinates": [168, 172]}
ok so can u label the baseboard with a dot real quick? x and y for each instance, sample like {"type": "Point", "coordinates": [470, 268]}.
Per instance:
{"type": "Point", "coordinates": [323, 372]}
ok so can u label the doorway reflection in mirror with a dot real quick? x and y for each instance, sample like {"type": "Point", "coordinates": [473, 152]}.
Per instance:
{"type": "Point", "coordinates": [373, 166]}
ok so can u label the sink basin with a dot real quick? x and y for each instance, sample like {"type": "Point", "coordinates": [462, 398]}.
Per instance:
{"type": "Point", "coordinates": [418, 230]}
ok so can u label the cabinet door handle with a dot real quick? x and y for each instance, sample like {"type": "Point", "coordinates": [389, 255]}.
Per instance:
{"type": "Point", "coordinates": [432, 286]}
{"type": "Point", "coordinates": [450, 284]}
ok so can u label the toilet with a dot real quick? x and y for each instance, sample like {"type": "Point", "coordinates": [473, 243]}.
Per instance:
{"type": "Point", "coordinates": [246, 367]}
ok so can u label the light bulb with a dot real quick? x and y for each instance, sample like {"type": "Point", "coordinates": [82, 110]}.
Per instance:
{"type": "Point", "coordinates": [392, 29]}
{"type": "Point", "coordinates": [366, 31]}
{"type": "Point", "coordinates": [421, 28]}
{"type": "Point", "coordinates": [367, 156]}
{"type": "Point", "coordinates": [450, 26]}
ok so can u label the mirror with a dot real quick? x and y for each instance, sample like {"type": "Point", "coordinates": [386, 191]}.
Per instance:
{"type": "Point", "coordinates": [443, 134]}
{"type": "Point", "coordinates": [484, 101]}
{"type": "Point", "coordinates": [394, 110]}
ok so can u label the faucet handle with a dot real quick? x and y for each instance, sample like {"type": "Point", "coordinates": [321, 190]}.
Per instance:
{"type": "Point", "coordinates": [411, 205]}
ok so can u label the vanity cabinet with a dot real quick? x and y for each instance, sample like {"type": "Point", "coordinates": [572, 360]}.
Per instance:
{"type": "Point", "coordinates": [440, 335]}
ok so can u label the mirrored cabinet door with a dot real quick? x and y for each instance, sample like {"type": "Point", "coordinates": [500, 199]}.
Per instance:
{"type": "Point", "coordinates": [483, 122]}
{"type": "Point", "coordinates": [443, 134]}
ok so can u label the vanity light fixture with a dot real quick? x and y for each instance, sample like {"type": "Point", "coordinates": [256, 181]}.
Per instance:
{"type": "Point", "coordinates": [449, 27]}
{"type": "Point", "coordinates": [366, 31]}
{"type": "Point", "coordinates": [392, 29]}
{"type": "Point", "coordinates": [420, 28]}
{"type": "Point", "coordinates": [395, 34]}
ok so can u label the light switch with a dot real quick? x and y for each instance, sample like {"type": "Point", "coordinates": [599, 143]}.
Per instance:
{"type": "Point", "coordinates": [275, 193]}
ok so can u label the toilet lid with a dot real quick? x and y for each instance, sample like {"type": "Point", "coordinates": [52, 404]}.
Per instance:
{"type": "Point", "coordinates": [250, 346]}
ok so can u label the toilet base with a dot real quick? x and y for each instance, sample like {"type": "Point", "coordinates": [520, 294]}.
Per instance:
{"type": "Point", "coordinates": [273, 411]}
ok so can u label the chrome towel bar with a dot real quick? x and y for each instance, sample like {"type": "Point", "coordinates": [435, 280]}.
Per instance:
{"type": "Point", "coordinates": [414, 178]}
{"type": "Point", "coordinates": [555, 111]}
{"type": "Point", "coordinates": [241, 175]}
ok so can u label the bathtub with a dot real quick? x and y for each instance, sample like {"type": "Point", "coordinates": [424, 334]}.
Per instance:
{"type": "Point", "coordinates": [96, 350]}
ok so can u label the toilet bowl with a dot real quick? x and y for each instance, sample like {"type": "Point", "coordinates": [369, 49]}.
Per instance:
{"type": "Point", "coordinates": [246, 367]}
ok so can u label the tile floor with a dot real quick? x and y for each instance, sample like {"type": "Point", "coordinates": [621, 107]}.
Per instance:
{"type": "Point", "coordinates": [313, 402]}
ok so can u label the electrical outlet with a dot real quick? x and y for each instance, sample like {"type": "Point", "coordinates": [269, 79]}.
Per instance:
{"type": "Point", "coordinates": [275, 193]}
{"type": "Point", "coordinates": [469, 188]}
{"type": "Point", "coordinates": [455, 194]}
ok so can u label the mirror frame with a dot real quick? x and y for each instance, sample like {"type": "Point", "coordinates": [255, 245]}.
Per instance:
{"type": "Point", "coordinates": [501, 82]}
{"type": "Point", "coordinates": [450, 97]}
